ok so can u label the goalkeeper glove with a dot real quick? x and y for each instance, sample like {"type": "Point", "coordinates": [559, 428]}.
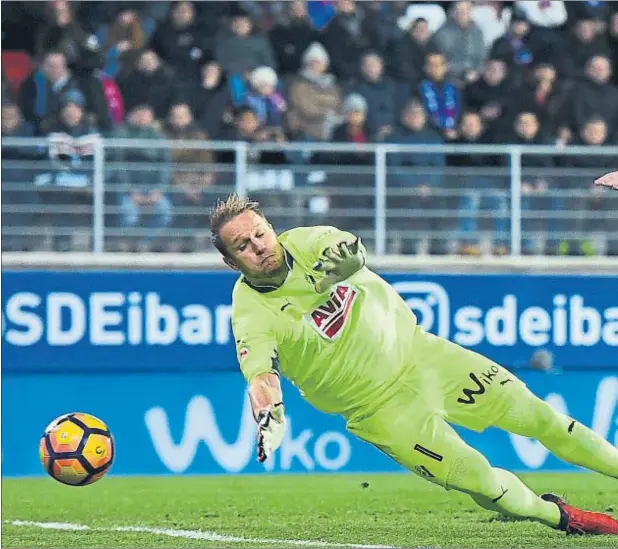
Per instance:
{"type": "Point", "coordinates": [339, 264]}
{"type": "Point", "coordinates": [271, 427]}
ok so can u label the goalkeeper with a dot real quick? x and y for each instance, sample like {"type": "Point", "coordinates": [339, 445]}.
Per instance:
{"type": "Point", "coordinates": [306, 307]}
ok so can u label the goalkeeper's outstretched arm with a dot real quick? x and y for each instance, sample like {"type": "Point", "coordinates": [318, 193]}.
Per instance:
{"type": "Point", "coordinates": [267, 404]}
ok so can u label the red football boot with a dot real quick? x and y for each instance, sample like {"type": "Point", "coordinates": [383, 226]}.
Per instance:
{"type": "Point", "coordinates": [576, 521]}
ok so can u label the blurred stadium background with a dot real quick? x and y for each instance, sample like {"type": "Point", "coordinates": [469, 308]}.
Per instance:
{"type": "Point", "coordinates": [459, 140]}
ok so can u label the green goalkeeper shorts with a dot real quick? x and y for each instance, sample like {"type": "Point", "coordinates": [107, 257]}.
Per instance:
{"type": "Point", "coordinates": [444, 383]}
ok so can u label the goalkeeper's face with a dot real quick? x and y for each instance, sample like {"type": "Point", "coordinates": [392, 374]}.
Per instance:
{"type": "Point", "coordinates": [252, 246]}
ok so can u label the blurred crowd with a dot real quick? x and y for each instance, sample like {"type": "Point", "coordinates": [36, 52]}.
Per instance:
{"type": "Point", "coordinates": [483, 72]}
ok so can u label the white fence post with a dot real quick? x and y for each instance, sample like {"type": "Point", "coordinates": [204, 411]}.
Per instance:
{"type": "Point", "coordinates": [515, 201]}
{"type": "Point", "coordinates": [240, 148]}
{"type": "Point", "coordinates": [98, 197]}
{"type": "Point", "coordinates": [380, 197]}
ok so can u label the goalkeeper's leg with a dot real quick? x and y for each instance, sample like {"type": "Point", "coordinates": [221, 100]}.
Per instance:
{"type": "Point", "coordinates": [566, 438]}
{"type": "Point", "coordinates": [477, 393]}
{"type": "Point", "coordinates": [423, 442]}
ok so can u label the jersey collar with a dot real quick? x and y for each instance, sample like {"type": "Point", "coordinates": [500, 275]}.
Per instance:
{"type": "Point", "coordinates": [266, 289]}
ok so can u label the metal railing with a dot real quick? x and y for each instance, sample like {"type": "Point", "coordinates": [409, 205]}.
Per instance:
{"type": "Point", "coordinates": [406, 199]}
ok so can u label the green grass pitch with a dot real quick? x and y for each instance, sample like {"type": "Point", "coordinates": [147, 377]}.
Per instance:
{"type": "Point", "coordinates": [256, 511]}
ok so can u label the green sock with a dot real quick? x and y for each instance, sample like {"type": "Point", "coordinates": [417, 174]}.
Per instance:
{"type": "Point", "coordinates": [515, 499]}
{"type": "Point", "coordinates": [499, 490]}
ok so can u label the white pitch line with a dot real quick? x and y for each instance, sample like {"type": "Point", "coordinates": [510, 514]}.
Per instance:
{"type": "Point", "coordinates": [190, 534]}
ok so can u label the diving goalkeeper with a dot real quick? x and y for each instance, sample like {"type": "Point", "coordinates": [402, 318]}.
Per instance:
{"type": "Point", "coordinates": [306, 307]}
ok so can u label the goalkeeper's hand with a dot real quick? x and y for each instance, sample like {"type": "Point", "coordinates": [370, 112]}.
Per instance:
{"type": "Point", "coordinates": [339, 262]}
{"type": "Point", "coordinates": [271, 427]}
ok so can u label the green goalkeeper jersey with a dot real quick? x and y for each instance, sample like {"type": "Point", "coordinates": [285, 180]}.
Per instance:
{"type": "Point", "coordinates": [344, 349]}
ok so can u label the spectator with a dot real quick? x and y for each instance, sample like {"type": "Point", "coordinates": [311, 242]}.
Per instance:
{"type": "Point", "coordinates": [17, 183]}
{"type": "Point", "coordinates": [291, 39]}
{"type": "Point", "coordinates": [598, 11]}
{"type": "Point", "coordinates": [415, 195]}
{"type": "Point", "coordinates": [347, 37]}
{"type": "Point", "coordinates": [432, 12]}
{"type": "Point", "coordinates": [97, 15]}
{"type": "Point", "coordinates": [440, 97]}
{"type": "Point", "coordinates": [490, 95]}
{"type": "Point", "coordinates": [149, 83]}
{"type": "Point", "coordinates": [182, 45]}
{"type": "Point", "coordinates": [348, 195]}
{"type": "Point", "coordinates": [180, 126]}
{"type": "Point", "coordinates": [588, 215]}
{"type": "Point", "coordinates": [13, 124]}
{"type": "Point", "coordinates": [265, 100]}
{"type": "Point", "coordinates": [492, 18]}
{"type": "Point", "coordinates": [414, 129]}
{"type": "Point", "coordinates": [462, 43]}
{"type": "Point", "coordinates": [595, 96]}
{"type": "Point", "coordinates": [267, 180]}
{"type": "Point", "coordinates": [547, 94]}
{"type": "Point", "coordinates": [354, 129]}
{"type": "Point", "coordinates": [42, 92]}
{"type": "Point", "coordinates": [193, 174]}
{"type": "Point", "coordinates": [125, 40]}
{"type": "Point", "coordinates": [409, 53]}
{"type": "Point", "coordinates": [315, 97]}
{"type": "Point", "coordinates": [72, 119]}
{"type": "Point", "coordinates": [534, 186]}
{"type": "Point", "coordinates": [144, 178]}
{"type": "Point", "coordinates": [380, 22]}
{"type": "Point", "coordinates": [584, 41]}
{"type": "Point", "coordinates": [247, 127]}
{"type": "Point", "coordinates": [240, 50]}
{"type": "Point", "coordinates": [63, 34]}
{"type": "Point", "coordinates": [484, 197]}
{"type": "Point", "coordinates": [420, 188]}
{"type": "Point", "coordinates": [518, 46]}
{"type": "Point", "coordinates": [211, 102]}
{"type": "Point", "coordinates": [74, 157]}
{"type": "Point", "coordinates": [383, 96]}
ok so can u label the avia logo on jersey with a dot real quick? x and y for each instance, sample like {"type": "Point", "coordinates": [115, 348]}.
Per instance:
{"type": "Point", "coordinates": [330, 317]}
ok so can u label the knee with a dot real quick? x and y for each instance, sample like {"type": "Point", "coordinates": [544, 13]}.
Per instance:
{"type": "Point", "coordinates": [550, 421]}
{"type": "Point", "coordinates": [474, 475]}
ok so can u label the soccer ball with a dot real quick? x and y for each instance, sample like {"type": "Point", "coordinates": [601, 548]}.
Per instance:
{"type": "Point", "coordinates": [77, 449]}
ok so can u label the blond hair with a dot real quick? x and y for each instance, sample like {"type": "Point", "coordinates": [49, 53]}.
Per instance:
{"type": "Point", "coordinates": [226, 210]}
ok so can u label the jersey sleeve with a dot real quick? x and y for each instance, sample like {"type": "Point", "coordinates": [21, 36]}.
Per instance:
{"type": "Point", "coordinates": [256, 344]}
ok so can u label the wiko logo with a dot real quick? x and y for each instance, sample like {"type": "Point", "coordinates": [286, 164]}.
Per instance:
{"type": "Point", "coordinates": [533, 453]}
{"type": "Point", "coordinates": [201, 425]}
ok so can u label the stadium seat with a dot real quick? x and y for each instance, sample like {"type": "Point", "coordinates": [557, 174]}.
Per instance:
{"type": "Point", "coordinates": [17, 66]}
